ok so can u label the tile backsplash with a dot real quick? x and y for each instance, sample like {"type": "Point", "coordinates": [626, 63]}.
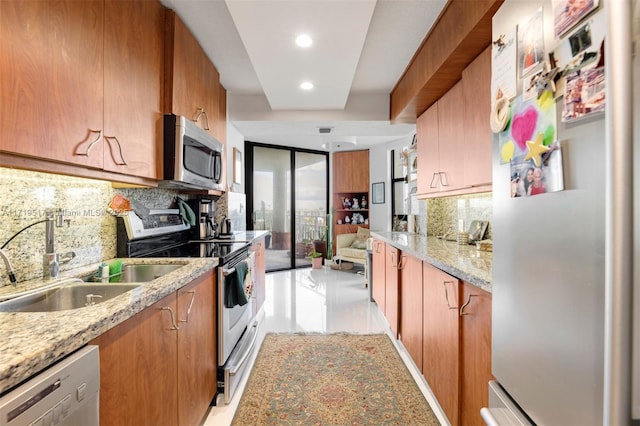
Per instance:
{"type": "Point", "coordinates": [91, 233]}
{"type": "Point", "coordinates": [444, 213]}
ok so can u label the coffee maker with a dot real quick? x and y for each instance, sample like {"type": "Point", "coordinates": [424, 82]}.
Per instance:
{"type": "Point", "coordinates": [205, 210]}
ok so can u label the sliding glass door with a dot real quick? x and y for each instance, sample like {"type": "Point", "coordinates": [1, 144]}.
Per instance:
{"type": "Point", "coordinates": [283, 180]}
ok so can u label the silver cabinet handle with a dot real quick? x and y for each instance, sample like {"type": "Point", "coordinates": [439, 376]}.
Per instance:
{"type": "Point", "coordinates": [199, 112]}
{"type": "Point", "coordinates": [446, 294]}
{"type": "Point", "coordinates": [123, 163]}
{"type": "Point", "coordinates": [174, 326]}
{"type": "Point", "coordinates": [433, 183]}
{"type": "Point", "coordinates": [95, 141]}
{"type": "Point", "coordinates": [465, 304]}
{"type": "Point", "coordinates": [402, 262]}
{"type": "Point", "coordinates": [393, 262]}
{"type": "Point", "coordinates": [193, 297]}
{"type": "Point", "coordinates": [378, 244]}
{"type": "Point", "coordinates": [444, 182]}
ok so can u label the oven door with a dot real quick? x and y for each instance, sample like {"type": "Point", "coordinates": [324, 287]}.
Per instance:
{"type": "Point", "coordinates": [232, 322]}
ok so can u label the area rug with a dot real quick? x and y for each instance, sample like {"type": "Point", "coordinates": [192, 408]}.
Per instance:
{"type": "Point", "coordinates": [331, 379]}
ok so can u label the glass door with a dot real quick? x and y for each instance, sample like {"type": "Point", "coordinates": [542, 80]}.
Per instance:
{"type": "Point", "coordinates": [283, 180]}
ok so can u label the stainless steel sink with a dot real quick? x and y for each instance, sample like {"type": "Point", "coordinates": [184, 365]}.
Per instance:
{"type": "Point", "coordinates": [64, 297]}
{"type": "Point", "coordinates": [138, 273]}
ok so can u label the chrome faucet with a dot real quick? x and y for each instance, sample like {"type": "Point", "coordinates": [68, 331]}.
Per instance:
{"type": "Point", "coordinates": [9, 266]}
{"type": "Point", "coordinates": [51, 260]}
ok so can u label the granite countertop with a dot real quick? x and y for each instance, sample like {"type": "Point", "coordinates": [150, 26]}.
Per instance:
{"type": "Point", "coordinates": [464, 262]}
{"type": "Point", "coordinates": [31, 341]}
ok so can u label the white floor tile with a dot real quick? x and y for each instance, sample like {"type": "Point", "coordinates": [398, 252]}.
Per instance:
{"type": "Point", "coordinates": [318, 300]}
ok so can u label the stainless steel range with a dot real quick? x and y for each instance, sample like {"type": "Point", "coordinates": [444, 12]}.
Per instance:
{"type": "Point", "coordinates": [163, 233]}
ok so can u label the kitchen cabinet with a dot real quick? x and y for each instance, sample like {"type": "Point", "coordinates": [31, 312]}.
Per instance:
{"type": "Point", "coordinates": [81, 84]}
{"type": "Point", "coordinates": [192, 84]}
{"type": "Point", "coordinates": [159, 366]}
{"type": "Point", "coordinates": [259, 274]}
{"type": "Point", "coordinates": [51, 78]}
{"type": "Point", "coordinates": [197, 362]}
{"type": "Point", "coordinates": [379, 287]}
{"type": "Point", "coordinates": [476, 82]}
{"type": "Point", "coordinates": [392, 291]}
{"type": "Point", "coordinates": [411, 307]}
{"type": "Point", "coordinates": [475, 353]}
{"type": "Point", "coordinates": [454, 137]}
{"type": "Point", "coordinates": [133, 63]}
{"type": "Point", "coordinates": [440, 354]}
{"type": "Point", "coordinates": [428, 151]}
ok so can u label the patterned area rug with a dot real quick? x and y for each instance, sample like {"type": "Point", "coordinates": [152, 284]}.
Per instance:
{"type": "Point", "coordinates": [337, 379]}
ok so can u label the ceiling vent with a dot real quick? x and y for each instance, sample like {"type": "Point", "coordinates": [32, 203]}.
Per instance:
{"type": "Point", "coordinates": [325, 130]}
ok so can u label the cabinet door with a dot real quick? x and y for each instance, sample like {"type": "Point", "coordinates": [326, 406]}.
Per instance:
{"type": "Point", "coordinates": [379, 288]}
{"type": "Point", "coordinates": [259, 275]}
{"type": "Point", "coordinates": [475, 353]}
{"type": "Point", "coordinates": [440, 338]}
{"type": "Point", "coordinates": [185, 69]}
{"type": "Point", "coordinates": [476, 81]}
{"type": "Point", "coordinates": [351, 171]}
{"type": "Point", "coordinates": [138, 378]}
{"type": "Point", "coordinates": [133, 87]}
{"type": "Point", "coordinates": [197, 364]}
{"type": "Point", "coordinates": [51, 76]}
{"type": "Point", "coordinates": [411, 302]}
{"type": "Point", "coordinates": [392, 305]}
{"type": "Point", "coordinates": [451, 128]}
{"type": "Point", "coordinates": [428, 152]}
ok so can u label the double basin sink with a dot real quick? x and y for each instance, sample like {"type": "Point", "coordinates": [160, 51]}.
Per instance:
{"type": "Point", "coordinates": [73, 293]}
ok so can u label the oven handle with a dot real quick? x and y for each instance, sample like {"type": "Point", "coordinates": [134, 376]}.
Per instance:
{"type": "Point", "coordinates": [249, 349]}
{"type": "Point", "coordinates": [227, 272]}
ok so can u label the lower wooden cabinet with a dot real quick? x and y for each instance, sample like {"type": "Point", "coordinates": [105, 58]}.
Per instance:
{"type": "Point", "coordinates": [475, 353]}
{"type": "Point", "coordinates": [445, 326]}
{"type": "Point", "coordinates": [411, 307]}
{"type": "Point", "coordinates": [440, 353]}
{"type": "Point", "coordinates": [392, 289]}
{"type": "Point", "coordinates": [159, 366]}
{"type": "Point", "coordinates": [378, 285]}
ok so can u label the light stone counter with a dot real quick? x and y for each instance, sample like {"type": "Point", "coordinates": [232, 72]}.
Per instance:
{"type": "Point", "coordinates": [31, 341]}
{"type": "Point", "coordinates": [464, 262]}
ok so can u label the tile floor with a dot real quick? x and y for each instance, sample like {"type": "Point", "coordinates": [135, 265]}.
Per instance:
{"type": "Point", "coordinates": [318, 300]}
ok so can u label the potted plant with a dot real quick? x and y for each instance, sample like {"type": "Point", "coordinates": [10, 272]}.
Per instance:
{"type": "Point", "coordinates": [316, 259]}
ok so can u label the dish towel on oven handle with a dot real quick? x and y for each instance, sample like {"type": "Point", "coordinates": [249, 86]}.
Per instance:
{"type": "Point", "coordinates": [235, 293]}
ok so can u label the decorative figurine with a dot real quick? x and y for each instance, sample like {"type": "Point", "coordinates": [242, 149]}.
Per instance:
{"type": "Point", "coordinates": [347, 220]}
{"type": "Point", "coordinates": [363, 203]}
{"type": "Point", "coordinates": [355, 205]}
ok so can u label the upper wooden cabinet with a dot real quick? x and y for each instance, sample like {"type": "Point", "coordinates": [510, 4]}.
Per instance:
{"type": "Point", "coordinates": [133, 63]}
{"type": "Point", "coordinates": [476, 82]}
{"type": "Point", "coordinates": [351, 171]}
{"type": "Point", "coordinates": [454, 137]}
{"type": "Point", "coordinates": [81, 83]}
{"type": "Point", "coordinates": [192, 84]}
{"type": "Point", "coordinates": [51, 79]}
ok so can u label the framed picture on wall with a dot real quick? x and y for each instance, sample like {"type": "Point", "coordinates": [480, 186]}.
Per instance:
{"type": "Point", "coordinates": [377, 193]}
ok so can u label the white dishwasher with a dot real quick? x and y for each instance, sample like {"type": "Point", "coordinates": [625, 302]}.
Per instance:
{"type": "Point", "coordinates": [67, 393]}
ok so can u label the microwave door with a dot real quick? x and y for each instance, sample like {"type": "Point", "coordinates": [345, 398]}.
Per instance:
{"type": "Point", "coordinates": [217, 167]}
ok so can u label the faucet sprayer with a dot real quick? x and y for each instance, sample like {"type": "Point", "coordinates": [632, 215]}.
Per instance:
{"type": "Point", "coordinates": [9, 266]}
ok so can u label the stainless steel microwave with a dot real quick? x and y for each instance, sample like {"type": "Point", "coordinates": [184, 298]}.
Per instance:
{"type": "Point", "coordinates": [192, 157]}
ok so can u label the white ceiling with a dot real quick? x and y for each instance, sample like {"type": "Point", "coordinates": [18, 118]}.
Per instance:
{"type": "Point", "coordinates": [360, 50]}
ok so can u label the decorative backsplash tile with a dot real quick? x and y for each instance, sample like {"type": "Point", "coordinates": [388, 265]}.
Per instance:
{"type": "Point", "coordinates": [444, 213]}
{"type": "Point", "coordinates": [91, 232]}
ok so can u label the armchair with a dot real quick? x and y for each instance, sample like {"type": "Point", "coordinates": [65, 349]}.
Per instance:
{"type": "Point", "coordinates": [353, 248]}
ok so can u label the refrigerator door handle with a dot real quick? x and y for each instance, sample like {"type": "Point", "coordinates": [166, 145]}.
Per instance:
{"type": "Point", "coordinates": [465, 304]}
{"type": "Point", "coordinates": [446, 294]}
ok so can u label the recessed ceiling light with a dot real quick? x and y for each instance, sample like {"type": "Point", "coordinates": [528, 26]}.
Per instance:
{"type": "Point", "coordinates": [306, 85]}
{"type": "Point", "coordinates": [303, 40]}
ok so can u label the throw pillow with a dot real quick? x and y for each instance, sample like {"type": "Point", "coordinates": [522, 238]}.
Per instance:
{"type": "Point", "coordinates": [363, 232]}
{"type": "Point", "coordinates": [360, 242]}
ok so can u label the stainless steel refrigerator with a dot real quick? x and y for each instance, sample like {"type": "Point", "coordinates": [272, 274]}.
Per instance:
{"type": "Point", "coordinates": [561, 328]}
